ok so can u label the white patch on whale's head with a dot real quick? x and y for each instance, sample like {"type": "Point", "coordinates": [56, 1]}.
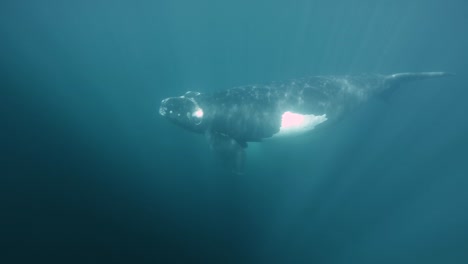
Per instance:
{"type": "Point", "coordinates": [293, 123]}
{"type": "Point", "coordinates": [198, 113]}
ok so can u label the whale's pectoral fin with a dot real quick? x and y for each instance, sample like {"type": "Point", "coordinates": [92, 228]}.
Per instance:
{"type": "Point", "coordinates": [228, 151]}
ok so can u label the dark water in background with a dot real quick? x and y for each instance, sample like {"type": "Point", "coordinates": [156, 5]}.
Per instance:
{"type": "Point", "coordinates": [90, 173]}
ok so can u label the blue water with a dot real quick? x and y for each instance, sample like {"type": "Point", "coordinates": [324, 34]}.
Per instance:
{"type": "Point", "coordinates": [91, 174]}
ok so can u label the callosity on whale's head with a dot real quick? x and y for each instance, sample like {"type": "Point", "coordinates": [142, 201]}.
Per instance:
{"type": "Point", "coordinates": [183, 111]}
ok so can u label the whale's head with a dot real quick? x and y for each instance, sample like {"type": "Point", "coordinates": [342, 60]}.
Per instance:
{"type": "Point", "coordinates": [184, 111]}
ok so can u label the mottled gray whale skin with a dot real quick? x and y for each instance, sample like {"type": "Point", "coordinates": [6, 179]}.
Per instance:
{"type": "Point", "coordinates": [233, 117]}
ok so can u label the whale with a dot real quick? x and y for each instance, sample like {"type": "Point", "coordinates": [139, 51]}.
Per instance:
{"type": "Point", "coordinates": [231, 118]}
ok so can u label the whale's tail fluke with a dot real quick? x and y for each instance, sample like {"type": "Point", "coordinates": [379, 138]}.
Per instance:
{"type": "Point", "coordinates": [401, 78]}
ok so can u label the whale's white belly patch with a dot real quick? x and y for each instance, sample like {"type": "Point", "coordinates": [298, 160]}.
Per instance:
{"type": "Point", "coordinates": [293, 124]}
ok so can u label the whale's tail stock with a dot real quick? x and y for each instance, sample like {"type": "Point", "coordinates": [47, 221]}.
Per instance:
{"type": "Point", "coordinates": [406, 77]}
